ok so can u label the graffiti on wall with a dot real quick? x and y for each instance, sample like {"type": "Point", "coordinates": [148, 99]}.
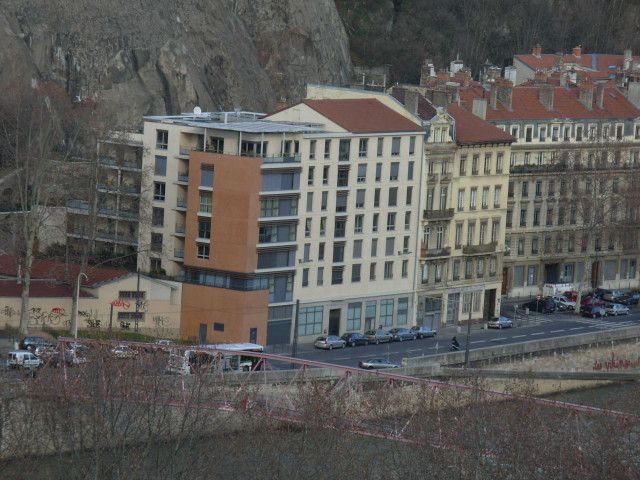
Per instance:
{"type": "Point", "coordinates": [161, 320]}
{"type": "Point", "coordinates": [90, 318]}
{"type": "Point", "coordinates": [616, 363]}
{"type": "Point", "coordinates": [53, 317]}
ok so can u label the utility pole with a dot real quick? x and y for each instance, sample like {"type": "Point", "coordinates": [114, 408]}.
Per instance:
{"type": "Point", "coordinates": [294, 352]}
{"type": "Point", "coordinates": [466, 352]}
{"type": "Point", "coordinates": [137, 302]}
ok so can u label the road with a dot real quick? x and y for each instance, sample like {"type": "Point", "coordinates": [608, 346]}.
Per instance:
{"type": "Point", "coordinates": [538, 328]}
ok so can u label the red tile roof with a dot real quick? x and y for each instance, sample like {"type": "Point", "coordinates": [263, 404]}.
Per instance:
{"type": "Point", "coordinates": [597, 61]}
{"type": "Point", "coordinates": [472, 129]}
{"type": "Point", "coordinates": [48, 269]}
{"type": "Point", "coordinates": [363, 115]}
{"type": "Point", "coordinates": [525, 104]}
{"type": "Point", "coordinates": [39, 289]}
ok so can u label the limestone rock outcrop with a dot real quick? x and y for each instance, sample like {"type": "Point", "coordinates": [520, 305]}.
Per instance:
{"type": "Point", "coordinates": [154, 57]}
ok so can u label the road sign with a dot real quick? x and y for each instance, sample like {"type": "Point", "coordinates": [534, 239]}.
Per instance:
{"type": "Point", "coordinates": [538, 297]}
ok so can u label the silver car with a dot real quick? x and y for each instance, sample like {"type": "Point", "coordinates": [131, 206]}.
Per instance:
{"type": "Point", "coordinates": [423, 331]}
{"type": "Point", "coordinates": [500, 322]}
{"type": "Point", "coordinates": [378, 336]}
{"type": "Point", "coordinates": [376, 363]}
{"type": "Point", "coordinates": [329, 342]}
{"type": "Point", "coordinates": [616, 309]}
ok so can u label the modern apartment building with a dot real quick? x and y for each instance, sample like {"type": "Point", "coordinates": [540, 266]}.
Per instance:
{"type": "Point", "coordinates": [316, 203]}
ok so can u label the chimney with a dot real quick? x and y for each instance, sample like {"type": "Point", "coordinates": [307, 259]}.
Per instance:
{"type": "Point", "coordinates": [282, 103]}
{"type": "Point", "coordinates": [479, 108]}
{"type": "Point", "coordinates": [505, 93]}
{"type": "Point", "coordinates": [626, 65]}
{"type": "Point", "coordinates": [466, 81]}
{"type": "Point", "coordinates": [493, 96]}
{"type": "Point", "coordinates": [600, 95]}
{"type": "Point", "coordinates": [620, 77]}
{"type": "Point", "coordinates": [439, 98]}
{"type": "Point", "coordinates": [577, 51]}
{"type": "Point", "coordinates": [426, 72]}
{"type": "Point", "coordinates": [633, 94]}
{"type": "Point", "coordinates": [539, 77]}
{"type": "Point", "coordinates": [557, 60]}
{"type": "Point", "coordinates": [443, 77]}
{"type": "Point", "coordinates": [411, 101]}
{"type": "Point", "coordinates": [586, 94]}
{"type": "Point", "coordinates": [563, 79]}
{"type": "Point", "coordinates": [545, 95]}
{"type": "Point", "coordinates": [537, 51]}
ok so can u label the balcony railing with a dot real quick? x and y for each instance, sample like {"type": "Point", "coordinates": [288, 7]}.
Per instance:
{"type": "Point", "coordinates": [434, 252]}
{"type": "Point", "coordinates": [479, 249]}
{"type": "Point", "coordinates": [438, 214]}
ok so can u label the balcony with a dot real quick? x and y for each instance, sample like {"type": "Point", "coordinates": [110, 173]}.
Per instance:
{"type": "Point", "coordinates": [183, 178]}
{"type": "Point", "coordinates": [434, 252]}
{"type": "Point", "coordinates": [479, 249]}
{"type": "Point", "coordinates": [445, 214]}
{"type": "Point", "coordinates": [122, 189]}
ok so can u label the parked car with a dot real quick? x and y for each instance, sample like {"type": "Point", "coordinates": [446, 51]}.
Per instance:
{"type": "Point", "coordinates": [329, 342]}
{"type": "Point", "coordinates": [589, 301]}
{"type": "Point", "coordinates": [45, 347]}
{"type": "Point", "coordinates": [500, 322]}
{"type": "Point", "coordinates": [543, 305]}
{"type": "Point", "coordinates": [571, 295]}
{"type": "Point", "coordinates": [378, 336]}
{"type": "Point", "coordinates": [423, 331]}
{"type": "Point", "coordinates": [375, 363]}
{"type": "Point", "coordinates": [400, 334]}
{"type": "Point", "coordinates": [353, 338]}
{"type": "Point", "coordinates": [631, 299]}
{"type": "Point", "coordinates": [30, 343]}
{"type": "Point", "coordinates": [559, 305]}
{"type": "Point", "coordinates": [593, 311]}
{"type": "Point", "coordinates": [569, 305]}
{"type": "Point", "coordinates": [616, 309]}
{"type": "Point", "coordinates": [124, 351]}
{"type": "Point", "coordinates": [22, 359]}
{"type": "Point", "coordinates": [612, 295]}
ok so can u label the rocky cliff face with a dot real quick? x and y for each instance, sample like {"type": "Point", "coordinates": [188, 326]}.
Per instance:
{"type": "Point", "coordinates": [153, 57]}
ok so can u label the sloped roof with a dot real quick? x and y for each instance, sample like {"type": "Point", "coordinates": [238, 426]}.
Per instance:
{"type": "Point", "coordinates": [595, 61]}
{"type": "Point", "coordinates": [566, 104]}
{"type": "Point", "coordinates": [472, 129]}
{"type": "Point", "coordinates": [39, 289]}
{"type": "Point", "coordinates": [363, 115]}
{"type": "Point", "coordinates": [48, 269]}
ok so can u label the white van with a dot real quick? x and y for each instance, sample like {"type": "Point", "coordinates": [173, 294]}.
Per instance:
{"type": "Point", "coordinates": [22, 359]}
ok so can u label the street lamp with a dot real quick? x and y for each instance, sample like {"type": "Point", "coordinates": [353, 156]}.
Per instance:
{"type": "Point", "coordinates": [75, 312]}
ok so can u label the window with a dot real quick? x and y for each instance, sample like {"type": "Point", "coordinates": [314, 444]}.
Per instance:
{"type": "Point", "coordinates": [362, 173]}
{"type": "Point", "coordinates": [549, 216]}
{"type": "Point", "coordinates": [388, 270]}
{"type": "Point", "coordinates": [362, 148]}
{"type": "Point", "coordinates": [407, 220]}
{"type": "Point", "coordinates": [554, 136]}
{"type": "Point", "coordinates": [206, 176]}
{"type": "Point", "coordinates": [393, 173]}
{"type": "Point", "coordinates": [341, 203]}
{"type": "Point", "coordinates": [340, 228]}
{"type": "Point", "coordinates": [323, 200]}
{"type": "Point", "coordinates": [386, 312]}
{"type": "Point", "coordinates": [463, 165]}
{"type": "Point", "coordinates": [159, 191]}
{"type": "Point", "coordinates": [495, 229]}
{"type": "Point", "coordinates": [380, 145]}
{"type": "Point", "coordinates": [509, 218]}
{"type": "Point", "coordinates": [412, 145]}
{"type": "Point", "coordinates": [391, 221]}
{"type": "Point", "coordinates": [525, 189]}
{"type": "Point", "coordinates": [307, 228]}
{"type": "Point", "coordinates": [325, 175]}
{"type": "Point", "coordinates": [204, 229]}
{"type": "Point", "coordinates": [323, 226]}
{"type": "Point", "coordinates": [161, 166]}
{"type": "Point", "coordinates": [395, 146]}
{"type": "Point", "coordinates": [360, 198]}
{"type": "Point", "coordinates": [327, 149]}
{"type": "Point", "coordinates": [439, 237]}
{"type": "Point", "coordinates": [405, 245]}
{"type": "Point", "coordinates": [510, 190]}
{"type": "Point", "coordinates": [487, 164]}
{"type": "Point", "coordinates": [374, 247]}
{"type": "Point", "coordinates": [425, 236]}
{"type": "Point", "coordinates": [357, 249]}
{"type": "Point", "coordinates": [521, 246]}
{"type": "Point", "coordinates": [389, 250]}
{"type": "Point", "coordinates": [378, 172]}
{"type": "Point", "coordinates": [336, 275]}
{"type": "Point", "coordinates": [461, 200]}
{"type": "Point", "coordinates": [532, 275]}
{"type": "Point", "coordinates": [203, 251]}
{"type": "Point", "coordinates": [205, 202]}
{"type": "Point", "coordinates": [343, 177]}
{"type": "Point", "coordinates": [496, 196]}
{"type": "Point", "coordinates": [156, 242]}
{"type": "Point", "coordinates": [499, 163]}
{"type": "Point", "coordinates": [310, 321]}
{"type": "Point", "coordinates": [306, 256]}
{"type": "Point", "coordinates": [514, 131]}
{"type": "Point", "coordinates": [372, 271]}
{"type": "Point", "coordinates": [483, 232]}
{"type": "Point", "coordinates": [309, 201]}
{"type": "Point", "coordinates": [474, 164]}
{"type": "Point", "coordinates": [305, 277]}
{"type": "Point", "coordinates": [536, 217]}
{"type": "Point", "coordinates": [312, 150]}
{"type": "Point", "coordinates": [492, 265]}
{"type": "Point", "coordinates": [409, 198]}
{"type": "Point", "coordinates": [538, 188]}
{"type": "Point", "coordinates": [374, 225]}
{"type": "Point", "coordinates": [157, 217]}
{"type": "Point", "coordinates": [534, 245]}
{"type": "Point", "coordinates": [403, 308]}
{"type": "Point", "coordinates": [344, 150]}
{"type": "Point", "coordinates": [320, 278]}
{"type": "Point", "coordinates": [357, 224]}
{"type": "Point", "coordinates": [393, 196]}
{"type": "Point", "coordinates": [579, 133]}
{"type": "Point", "coordinates": [528, 134]}
{"type": "Point", "coordinates": [355, 273]}
{"type": "Point", "coordinates": [376, 197]}
{"type": "Point", "coordinates": [425, 273]}
{"type": "Point", "coordinates": [468, 268]}
{"type": "Point", "coordinates": [480, 268]}
{"type": "Point", "coordinates": [472, 198]}
{"type": "Point", "coordinates": [458, 235]}
{"type": "Point", "coordinates": [456, 269]}
{"type": "Point", "coordinates": [410, 171]}
{"type": "Point", "coordinates": [310, 175]}
{"type": "Point", "coordinates": [471, 232]}
{"type": "Point", "coordinates": [354, 316]}
{"type": "Point", "coordinates": [443, 198]}
{"type": "Point", "coordinates": [162, 139]}
{"type": "Point", "coordinates": [523, 217]}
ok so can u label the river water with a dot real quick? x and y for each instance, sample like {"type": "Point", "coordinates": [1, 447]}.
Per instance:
{"type": "Point", "coordinates": [623, 397]}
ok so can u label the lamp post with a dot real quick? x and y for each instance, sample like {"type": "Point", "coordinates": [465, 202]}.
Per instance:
{"type": "Point", "coordinates": [75, 311]}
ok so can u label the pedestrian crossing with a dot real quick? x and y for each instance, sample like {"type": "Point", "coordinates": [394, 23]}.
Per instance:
{"type": "Point", "coordinates": [604, 323]}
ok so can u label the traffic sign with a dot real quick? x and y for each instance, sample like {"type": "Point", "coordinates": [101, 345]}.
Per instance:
{"type": "Point", "coordinates": [538, 297]}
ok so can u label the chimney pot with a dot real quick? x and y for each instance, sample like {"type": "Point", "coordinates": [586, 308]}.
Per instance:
{"type": "Point", "coordinates": [537, 51]}
{"type": "Point", "coordinates": [443, 77]}
{"type": "Point", "coordinates": [577, 51]}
